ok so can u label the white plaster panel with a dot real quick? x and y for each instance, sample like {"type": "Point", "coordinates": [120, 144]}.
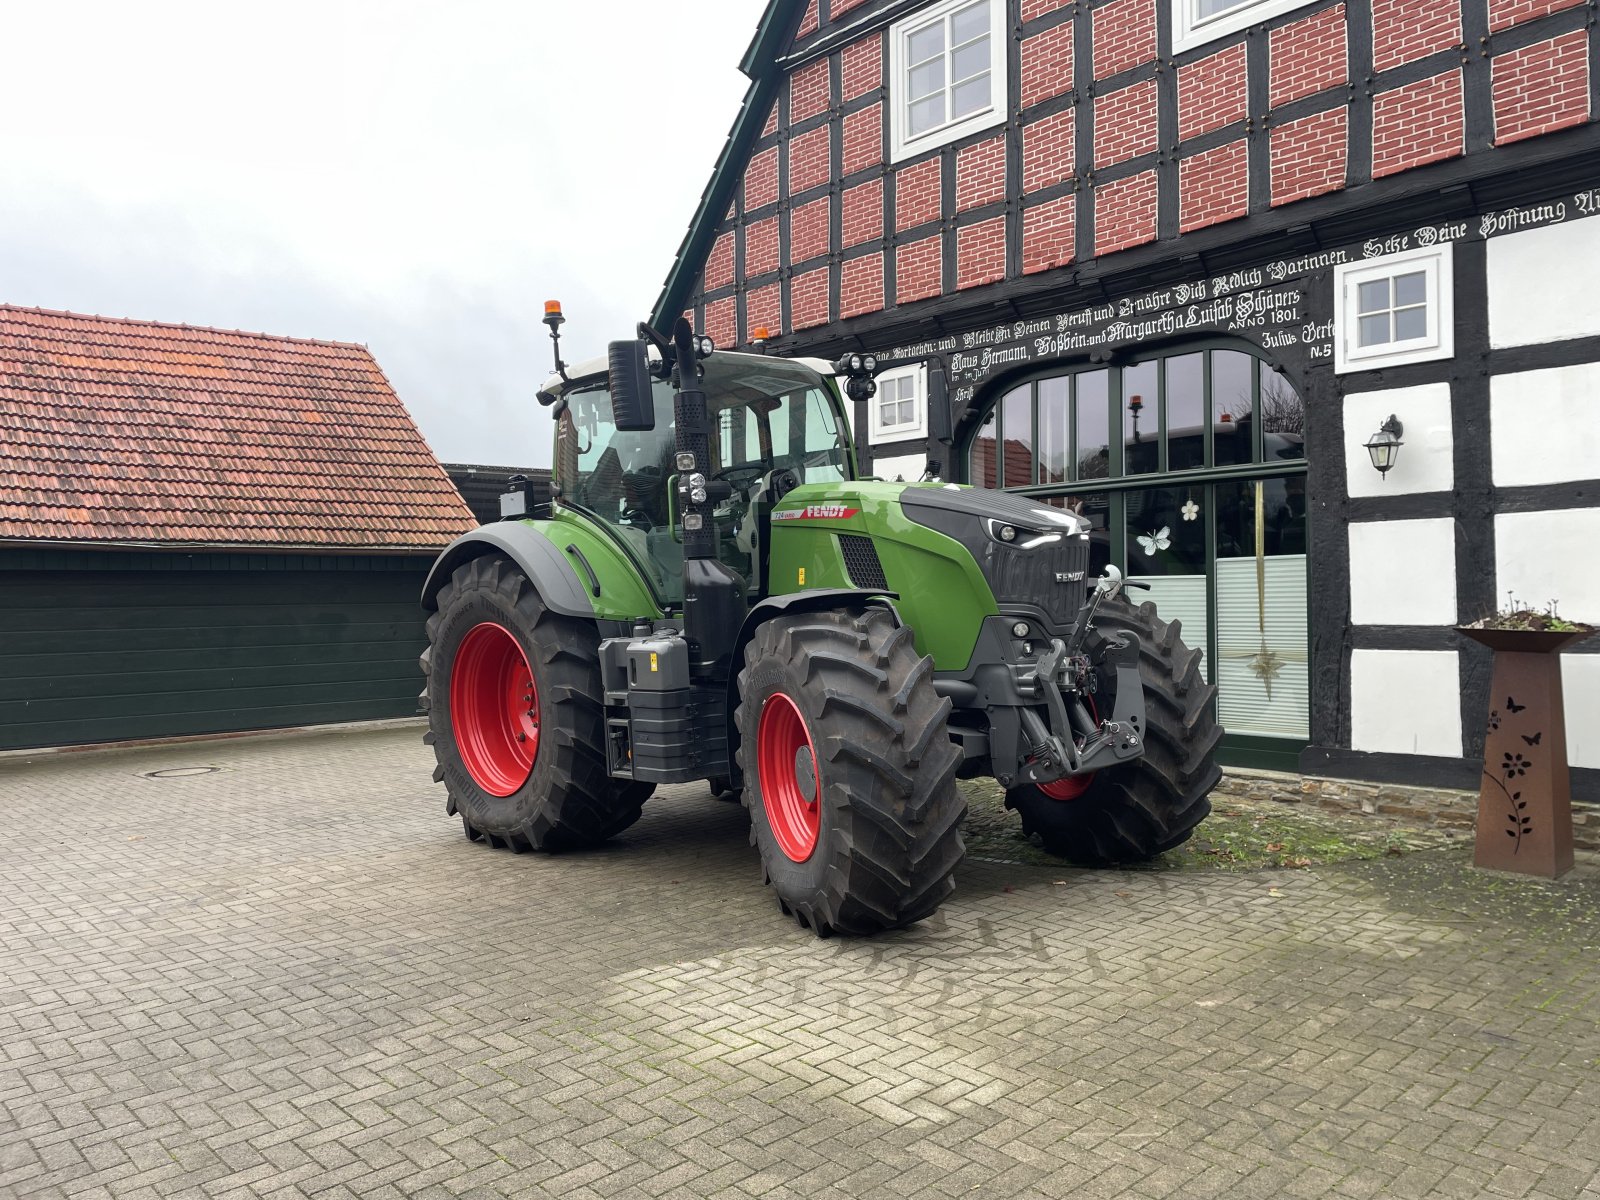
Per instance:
{"type": "Point", "coordinates": [1405, 702]}
{"type": "Point", "coordinates": [1555, 555]}
{"type": "Point", "coordinates": [908, 467]}
{"type": "Point", "coordinates": [1541, 284]}
{"type": "Point", "coordinates": [1580, 688]}
{"type": "Point", "coordinates": [1403, 572]}
{"type": "Point", "coordinates": [1426, 462]}
{"type": "Point", "coordinates": [1544, 426]}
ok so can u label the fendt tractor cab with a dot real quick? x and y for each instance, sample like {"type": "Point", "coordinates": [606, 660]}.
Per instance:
{"type": "Point", "coordinates": [715, 594]}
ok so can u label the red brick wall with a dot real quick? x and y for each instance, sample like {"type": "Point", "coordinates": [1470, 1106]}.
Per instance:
{"type": "Point", "coordinates": [1048, 150]}
{"type": "Point", "coordinates": [839, 7]}
{"type": "Point", "coordinates": [1541, 87]}
{"type": "Point", "coordinates": [1125, 213]}
{"type": "Point", "coordinates": [810, 91]}
{"type": "Point", "coordinates": [863, 139]}
{"type": "Point", "coordinates": [863, 214]}
{"type": "Point", "coordinates": [917, 192]}
{"type": "Point", "coordinates": [1032, 9]}
{"type": "Point", "coordinates": [1047, 64]}
{"type": "Point", "coordinates": [719, 265]}
{"type": "Point", "coordinates": [1505, 13]}
{"type": "Point", "coordinates": [1417, 124]}
{"type": "Point", "coordinates": [719, 322]}
{"type": "Point", "coordinates": [763, 309]}
{"type": "Point", "coordinates": [1049, 234]}
{"type": "Point", "coordinates": [1212, 92]}
{"type": "Point", "coordinates": [761, 180]}
{"type": "Point", "coordinates": [809, 230]}
{"type": "Point", "coordinates": [808, 159]}
{"type": "Point", "coordinates": [861, 285]}
{"type": "Point", "coordinates": [861, 66]}
{"type": "Point", "coordinates": [981, 253]}
{"type": "Point", "coordinates": [1124, 36]}
{"type": "Point", "coordinates": [1406, 30]}
{"type": "Point", "coordinates": [761, 247]}
{"type": "Point", "coordinates": [809, 22]}
{"type": "Point", "coordinates": [1308, 56]}
{"type": "Point", "coordinates": [981, 174]}
{"type": "Point", "coordinates": [1124, 123]}
{"type": "Point", "coordinates": [919, 270]}
{"type": "Point", "coordinates": [1214, 186]}
{"type": "Point", "coordinates": [1309, 156]}
{"type": "Point", "coordinates": [808, 299]}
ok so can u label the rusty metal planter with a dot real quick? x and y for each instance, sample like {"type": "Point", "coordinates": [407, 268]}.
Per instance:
{"type": "Point", "coordinates": [1525, 799]}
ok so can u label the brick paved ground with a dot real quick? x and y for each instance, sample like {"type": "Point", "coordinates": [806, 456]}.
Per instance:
{"type": "Point", "coordinates": [293, 977]}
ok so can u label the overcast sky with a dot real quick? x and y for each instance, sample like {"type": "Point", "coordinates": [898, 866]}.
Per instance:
{"type": "Point", "coordinates": [417, 177]}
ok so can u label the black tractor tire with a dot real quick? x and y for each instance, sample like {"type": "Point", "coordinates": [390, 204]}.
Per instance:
{"type": "Point", "coordinates": [568, 800]}
{"type": "Point", "coordinates": [885, 813]}
{"type": "Point", "coordinates": [1138, 809]}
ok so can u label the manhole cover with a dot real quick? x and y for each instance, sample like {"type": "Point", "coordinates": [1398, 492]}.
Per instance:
{"type": "Point", "coordinates": [179, 772]}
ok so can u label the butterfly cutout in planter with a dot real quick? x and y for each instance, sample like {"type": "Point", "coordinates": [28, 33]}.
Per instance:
{"type": "Point", "coordinates": [1151, 542]}
{"type": "Point", "coordinates": [1513, 706]}
{"type": "Point", "coordinates": [1535, 739]}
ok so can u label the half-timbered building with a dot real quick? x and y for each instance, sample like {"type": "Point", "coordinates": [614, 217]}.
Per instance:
{"type": "Point", "coordinates": [1182, 260]}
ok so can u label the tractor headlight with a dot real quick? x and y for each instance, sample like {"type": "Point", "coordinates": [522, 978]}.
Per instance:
{"type": "Point", "coordinates": [1019, 536]}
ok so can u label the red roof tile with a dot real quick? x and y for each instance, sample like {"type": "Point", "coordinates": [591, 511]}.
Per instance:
{"type": "Point", "coordinates": [114, 430]}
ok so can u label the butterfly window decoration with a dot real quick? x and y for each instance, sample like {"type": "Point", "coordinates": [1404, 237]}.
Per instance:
{"type": "Point", "coordinates": [1159, 540]}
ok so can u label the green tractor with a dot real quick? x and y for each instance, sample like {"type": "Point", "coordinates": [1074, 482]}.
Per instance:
{"type": "Point", "coordinates": [715, 594]}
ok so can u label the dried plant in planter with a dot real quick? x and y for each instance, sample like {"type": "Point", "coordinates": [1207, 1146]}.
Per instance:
{"type": "Point", "coordinates": [1520, 617]}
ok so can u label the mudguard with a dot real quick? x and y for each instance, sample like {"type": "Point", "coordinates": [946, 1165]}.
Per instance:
{"type": "Point", "coordinates": [554, 573]}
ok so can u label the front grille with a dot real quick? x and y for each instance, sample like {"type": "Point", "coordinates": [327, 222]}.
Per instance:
{"type": "Point", "coordinates": [1031, 577]}
{"type": "Point", "coordinates": [861, 562]}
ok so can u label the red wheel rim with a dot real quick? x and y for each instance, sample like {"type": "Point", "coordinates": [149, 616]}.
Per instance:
{"type": "Point", "coordinates": [791, 789]}
{"type": "Point", "coordinates": [1073, 786]}
{"type": "Point", "coordinates": [494, 709]}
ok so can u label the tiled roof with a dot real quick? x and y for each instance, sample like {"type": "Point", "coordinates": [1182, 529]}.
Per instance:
{"type": "Point", "coordinates": [114, 430]}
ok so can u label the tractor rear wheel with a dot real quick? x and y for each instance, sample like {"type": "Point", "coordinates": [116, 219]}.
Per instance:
{"type": "Point", "coordinates": [515, 716]}
{"type": "Point", "coordinates": [849, 771]}
{"type": "Point", "coordinates": [1137, 809]}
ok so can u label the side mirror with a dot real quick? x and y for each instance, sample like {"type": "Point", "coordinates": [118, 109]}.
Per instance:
{"type": "Point", "coordinates": [633, 399]}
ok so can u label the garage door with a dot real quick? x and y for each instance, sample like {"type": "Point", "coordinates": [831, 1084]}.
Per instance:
{"type": "Point", "coordinates": [94, 656]}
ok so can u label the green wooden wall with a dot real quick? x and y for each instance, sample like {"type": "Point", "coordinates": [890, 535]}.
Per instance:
{"type": "Point", "coordinates": [108, 646]}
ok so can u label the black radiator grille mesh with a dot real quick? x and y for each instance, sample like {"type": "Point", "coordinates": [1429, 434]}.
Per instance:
{"type": "Point", "coordinates": [861, 562]}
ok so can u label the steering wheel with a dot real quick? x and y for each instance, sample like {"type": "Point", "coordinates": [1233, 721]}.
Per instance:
{"type": "Point", "coordinates": [749, 473]}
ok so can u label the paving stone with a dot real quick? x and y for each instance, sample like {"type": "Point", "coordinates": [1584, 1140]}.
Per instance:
{"type": "Point", "coordinates": [293, 977]}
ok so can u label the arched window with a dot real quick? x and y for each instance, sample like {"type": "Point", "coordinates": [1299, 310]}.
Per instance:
{"type": "Point", "coordinates": [1190, 467]}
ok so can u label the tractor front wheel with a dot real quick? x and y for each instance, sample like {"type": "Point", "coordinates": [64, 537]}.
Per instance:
{"type": "Point", "coordinates": [849, 771]}
{"type": "Point", "coordinates": [1138, 809]}
{"type": "Point", "coordinates": [515, 716]}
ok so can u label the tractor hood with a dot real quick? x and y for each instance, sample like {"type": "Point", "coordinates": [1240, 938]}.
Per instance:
{"type": "Point", "coordinates": [921, 501]}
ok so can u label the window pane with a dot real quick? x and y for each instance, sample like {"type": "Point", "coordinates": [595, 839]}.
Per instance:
{"type": "Point", "coordinates": [1017, 421]}
{"type": "Point", "coordinates": [1053, 406]}
{"type": "Point", "coordinates": [970, 60]}
{"type": "Point", "coordinates": [981, 467]}
{"type": "Point", "coordinates": [925, 43]}
{"type": "Point", "coordinates": [970, 97]}
{"type": "Point", "coordinates": [1212, 8]}
{"type": "Point", "coordinates": [905, 412]}
{"type": "Point", "coordinates": [1410, 323]}
{"type": "Point", "coordinates": [1165, 533]}
{"type": "Point", "coordinates": [972, 21]}
{"type": "Point", "coordinates": [926, 79]}
{"type": "Point", "coordinates": [1186, 412]}
{"type": "Point", "coordinates": [1094, 444]}
{"type": "Point", "coordinates": [1141, 421]}
{"type": "Point", "coordinates": [1232, 408]}
{"type": "Point", "coordinates": [1373, 331]}
{"type": "Point", "coordinates": [1411, 288]}
{"type": "Point", "coordinates": [1283, 417]}
{"type": "Point", "coordinates": [927, 114]}
{"type": "Point", "coordinates": [1373, 296]}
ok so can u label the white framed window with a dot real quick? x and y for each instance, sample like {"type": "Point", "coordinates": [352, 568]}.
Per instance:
{"type": "Point", "coordinates": [1196, 22]}
{"type": "Point", "coordinates": [899, 410]}
{"type": "Point", "coordinates": [1394, 310]}
{"type": "Point", "coordinates": [947, 67]}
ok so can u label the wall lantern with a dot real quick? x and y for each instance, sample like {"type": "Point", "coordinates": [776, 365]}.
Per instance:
{"type": "Point", "coordinates": [1384, 446]}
